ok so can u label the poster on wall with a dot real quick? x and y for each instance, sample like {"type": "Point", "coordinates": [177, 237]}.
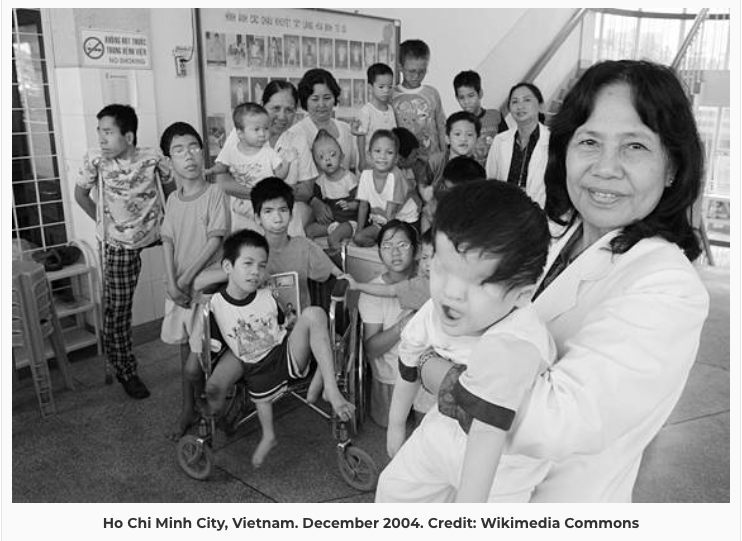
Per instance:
{"type": "Point", "coordinates": [243, 49]}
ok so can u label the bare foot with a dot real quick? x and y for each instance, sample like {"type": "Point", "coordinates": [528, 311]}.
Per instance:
{"type": "Point", "coordinates": [315, 388]}
{"type": "Point", "coordinates": [185, 422]}
{"type": "Point", "coordinates": [262, 450]}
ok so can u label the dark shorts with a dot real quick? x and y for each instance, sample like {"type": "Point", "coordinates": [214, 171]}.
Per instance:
{"type": "Point", "coordinates": [270, 375]}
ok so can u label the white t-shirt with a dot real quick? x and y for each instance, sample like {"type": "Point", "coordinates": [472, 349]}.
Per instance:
{"type": "Point", "coordinates": [394, 190]}
{"type": "Point", "coordinates": [248, 171]}
{"type": "Point", "coordinates": [372, 119]}
{"type": "Point", "coordinates": [385, 311]}
{"type": "Point", "coordinates": [337, 189]}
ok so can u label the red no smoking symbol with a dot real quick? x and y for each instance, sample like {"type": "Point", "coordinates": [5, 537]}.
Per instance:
{"type": "Point", "coordinates": [93, 48]}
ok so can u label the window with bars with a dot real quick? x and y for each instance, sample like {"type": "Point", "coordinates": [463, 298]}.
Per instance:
{"type": "Point", "coordinates": [38, 208]}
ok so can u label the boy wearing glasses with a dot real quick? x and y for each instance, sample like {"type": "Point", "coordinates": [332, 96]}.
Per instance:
{"type": "Point", "coordinates": [196, 220]}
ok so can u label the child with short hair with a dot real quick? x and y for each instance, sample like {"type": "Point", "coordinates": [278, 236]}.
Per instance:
{"type": "Point", "coordinates": [462, 132]}
{"type": "Point", "coordinates": [189, 246]}
{"type": "Point", "coordinates": [376, 114]}
{"type": "Point", "coordinates": [418, 107]}
{"type": "Point", "coordinates": [491, 244]}
{"type": "Point", "coordinates": [132, 183]}
{"type": "Point", "coordinates": [412, 163]}
{"type": "Point", "coordinates": [249, 327]}
{"type": "Point", "coordinates": [336, 187]}
{"type": "Point", "coordinates": [467, 87]}
{"type": "Point", "coordinates": [249, 162]}
{"type": "Point", "coordinates": [383, 192]}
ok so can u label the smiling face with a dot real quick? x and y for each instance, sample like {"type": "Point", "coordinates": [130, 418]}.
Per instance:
{"type": "Point", "coordinates": [395, 251]}
{"type": "Point", "coordinates": [466, 304]}
{"type": "Point", "coordinates": [383, 154]}
{"type": "Point", "coordinates": [186, 157]}
{"type": "Point", "coordinates": [616, 166]}
{"type": "Point", "coordinates": [524, 105]}
{"type": "Point", "coordinates": [254, 132]}
{"type": "Point", "coordinates": [247, 272]}
{"type": "Point", "coordinates": [462, 138]}
{"type": "Point", "coordinates": [281, 109]}
{"type": "Point", "coordinates": [320, 103]}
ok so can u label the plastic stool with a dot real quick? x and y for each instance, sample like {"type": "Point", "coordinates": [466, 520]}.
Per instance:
{"type": "Point", "coordinates": [34, 319]}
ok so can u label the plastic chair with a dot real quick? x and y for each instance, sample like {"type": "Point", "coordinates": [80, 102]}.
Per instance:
{"type": "Point", "coordinates": [35, 319]}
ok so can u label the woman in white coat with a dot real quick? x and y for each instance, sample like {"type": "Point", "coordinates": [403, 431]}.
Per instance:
{"type": "Point", "coordinates": [620, 296]}
{"type": "Point", "coordinates": [519, 155]}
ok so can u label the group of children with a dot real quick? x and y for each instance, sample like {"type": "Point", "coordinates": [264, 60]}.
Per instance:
{"type": "Point", "coordinates": [486, 242]}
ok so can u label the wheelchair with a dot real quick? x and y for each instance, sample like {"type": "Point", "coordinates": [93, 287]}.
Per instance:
{"type": "Point", "coordinates": [357, 468]}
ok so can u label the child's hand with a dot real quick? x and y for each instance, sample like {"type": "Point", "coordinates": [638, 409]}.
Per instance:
{"type": "Point", "coordinates": [184, 284]}
{"type": "Point", "coordinates": [357, 128]}
{"type": "Point", "coordinates": [178, 297]}
{"type": "Point", "coordinates": [288, 154]}
{"type": "Point", "coordinates": [352, 284]}
{"type": "Point", "coordinates": [395, 436]}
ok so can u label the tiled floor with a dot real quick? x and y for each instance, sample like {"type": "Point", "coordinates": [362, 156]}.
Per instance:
{"type": "Point", "coordinates": [104, 447]}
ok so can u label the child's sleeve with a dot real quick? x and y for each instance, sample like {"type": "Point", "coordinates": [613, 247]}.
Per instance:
{"type": "Point", "coordinates": [440, 120]}
{"type": "Point", "coordinates": [219, 216]}
{"type": "Point", "coordinates": [500, 372]}
{"type": "Point", "coordinates": [225, 154]}
{"type": "Point", "coordinates": [166, 230]}
{"type": "Point", "coordinates": [88, 175]}
{"type": "Point", "coordinates": [412, 294]}
{"type": "Point", "coordinates": [399, 193]}
{"type": "Point", "coordinates": [414, 340]}
{"type": "Point", "coordinates": [275, 159]}
{"type": "Point", "coordinates": [362, 193]}
{"type": "Point", "coordinates": [320, 265]}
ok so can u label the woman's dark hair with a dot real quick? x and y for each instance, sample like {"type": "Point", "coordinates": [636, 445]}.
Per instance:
{"type": "Point", "coordinates": [536, 92]}
{"type": "Point", "coordinates": [496, 220]}
{"type": "Point", "coordinates": [398, 225]}
{"type": "Point", "coordinates": [663, 106]}
{"type": "Point", "coordinates": [276, 86]}
{"type": "Point", "coordinates": [316, 76]}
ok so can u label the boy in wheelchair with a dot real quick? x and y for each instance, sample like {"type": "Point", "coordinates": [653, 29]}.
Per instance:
{"type": "Point", "coordinates": [248, 329]}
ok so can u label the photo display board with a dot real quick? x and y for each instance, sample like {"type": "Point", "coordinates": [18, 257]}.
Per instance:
{"type": "Point", "coordinates": [243, 49]}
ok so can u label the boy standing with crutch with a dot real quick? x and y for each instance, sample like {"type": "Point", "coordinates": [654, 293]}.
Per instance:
{"type": "Point", "coordinates": [128, 215]}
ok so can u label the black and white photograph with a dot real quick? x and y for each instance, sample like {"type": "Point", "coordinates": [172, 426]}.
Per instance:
{"type": "Point", "coordinates": [274, 57]}
{"type": "Point", "coordinates": [341, 54]}
{"type": "Point", "coordinates": [255, 51]}
{"type": "Point", "coordinates": [524, 295]}
{"type": "Point", "coordinates": [236, 51]}
{"type": "Point", "coordinates": [292, 51]}
{"type": "Point", "coordinates": [239, 91]}
{"type": "Point", "coordinates": [216, 49]}
{"type": "Point", "coordinates": [308, 52]}
{"type": "Point", "coordinates": [356, 55]}
{"type": "Point", "coordinates": [326, 53]}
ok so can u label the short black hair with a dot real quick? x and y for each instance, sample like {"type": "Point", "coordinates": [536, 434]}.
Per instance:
{"type": "Point", "coordinates": [498, 220]}
{"type": "Point", "coordinates": [427, 237]}
{"type": "Point", "coordinates": [467, 78]}
{"type": "Point", "coordinates": [317, 76]}
{"type": "Point", "coordinates": [458, 116]}
{"type": "Point", "coordinates": [463, 169]}
{"type": "Point", "coordinates": [124, 116]}
{"type": "Point", "coordinates": [177, 129]}
{"type": "Point", "coordinates": [384, 134]}
{"type": "Point", "coordinates": [375, 70]}
{"type": "Point", "coordinates": [413, 48]}
{"type": "Point", "coordinates": [241, 238]}
{"type": "Point", "coordinates": [268, 189]}
{"type": "Point", "coordinates": [242, 110]}
{"type": "Point", "coordinates": [407, 141]}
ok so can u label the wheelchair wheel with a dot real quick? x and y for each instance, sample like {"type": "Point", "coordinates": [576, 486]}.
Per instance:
{"type": "Point", "coordinates": [195, 457]}
{"type": "Point", "coordinates": [358, 468]}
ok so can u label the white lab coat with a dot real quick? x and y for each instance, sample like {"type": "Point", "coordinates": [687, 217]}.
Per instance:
{"type": "Point", "coordinates": [627, 329]}
{"type": "Point", "coordinates": [500, 156]}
